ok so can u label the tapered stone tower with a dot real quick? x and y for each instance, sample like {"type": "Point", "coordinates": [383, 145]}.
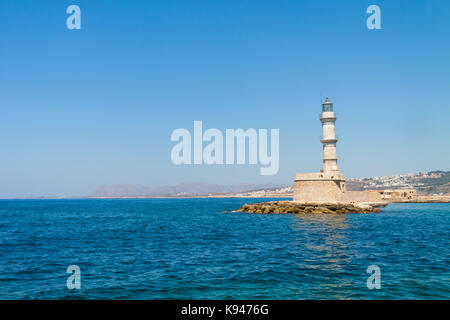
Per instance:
{"type": "Point", "coordinates": [329, 139]}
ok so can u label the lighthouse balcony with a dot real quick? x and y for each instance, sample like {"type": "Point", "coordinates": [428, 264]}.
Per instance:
{"type": "Point", "coordinates": [328, 139]}
{"type": "Point", "coordinates": [327, 116]}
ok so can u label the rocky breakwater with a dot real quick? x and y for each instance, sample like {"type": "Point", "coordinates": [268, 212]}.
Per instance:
{"type": "Point", "coordinates": [296, 207]}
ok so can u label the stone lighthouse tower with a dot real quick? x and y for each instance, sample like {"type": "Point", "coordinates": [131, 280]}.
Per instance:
{"type": "Point", "coordinates": [329, 184]}
{"type": "Point", "coordinates": [329, 139]}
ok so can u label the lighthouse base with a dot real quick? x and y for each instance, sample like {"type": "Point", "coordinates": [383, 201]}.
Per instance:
{"type": "Point", "coordinates": [319, 187]}
{"type": "Point", "coordinates": [328, 187]}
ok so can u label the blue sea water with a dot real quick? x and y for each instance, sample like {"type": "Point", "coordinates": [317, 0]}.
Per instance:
{"type": "Point", "coordinates": [191, 249]}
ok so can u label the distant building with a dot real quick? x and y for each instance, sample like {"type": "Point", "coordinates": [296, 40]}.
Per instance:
{"type": "Point", "coordinates": [329, 184]}
{"type": "Point", "coordinates": [398, 194]}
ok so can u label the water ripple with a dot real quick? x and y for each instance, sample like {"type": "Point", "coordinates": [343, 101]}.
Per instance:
{"type": "Point", "coordinates": [190, 249]}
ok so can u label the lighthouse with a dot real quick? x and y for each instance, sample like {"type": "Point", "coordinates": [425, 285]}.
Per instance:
{"type": "Point", "coordinates": [329, 184]}
{"type": "Point", "coordinates": [328, 119]}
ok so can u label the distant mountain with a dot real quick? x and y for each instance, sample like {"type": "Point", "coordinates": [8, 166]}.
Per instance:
{"type": "Point", "coordinates": [131, 190]}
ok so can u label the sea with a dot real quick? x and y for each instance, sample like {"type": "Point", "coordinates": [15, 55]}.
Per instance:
{"type": "Point", "coordinates": [201, 249]}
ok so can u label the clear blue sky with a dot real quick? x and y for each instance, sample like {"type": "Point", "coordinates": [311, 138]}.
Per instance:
{"type": "Point", "coordinates": [82, 108]}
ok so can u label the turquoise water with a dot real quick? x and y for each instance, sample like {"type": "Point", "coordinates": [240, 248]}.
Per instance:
{"type": "Point", "coordinates": [190, 249]}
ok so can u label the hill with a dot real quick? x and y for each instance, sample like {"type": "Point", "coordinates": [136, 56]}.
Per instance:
{"type": "Point", "coordinates": [430, 183]}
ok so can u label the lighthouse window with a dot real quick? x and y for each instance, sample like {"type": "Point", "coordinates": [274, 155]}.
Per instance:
{"type": "Point", "coordinates": [327, 107]}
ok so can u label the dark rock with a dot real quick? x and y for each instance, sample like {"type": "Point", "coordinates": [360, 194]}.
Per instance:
{"type": "Point", "coordinates": [292, 207]}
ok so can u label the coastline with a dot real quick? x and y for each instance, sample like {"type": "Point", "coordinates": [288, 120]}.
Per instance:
{"type": "Point", "coordinates": [421, 199]}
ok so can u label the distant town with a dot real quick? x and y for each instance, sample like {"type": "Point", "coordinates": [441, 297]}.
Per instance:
{"type": "Point", "coordinates": [431, 183]}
